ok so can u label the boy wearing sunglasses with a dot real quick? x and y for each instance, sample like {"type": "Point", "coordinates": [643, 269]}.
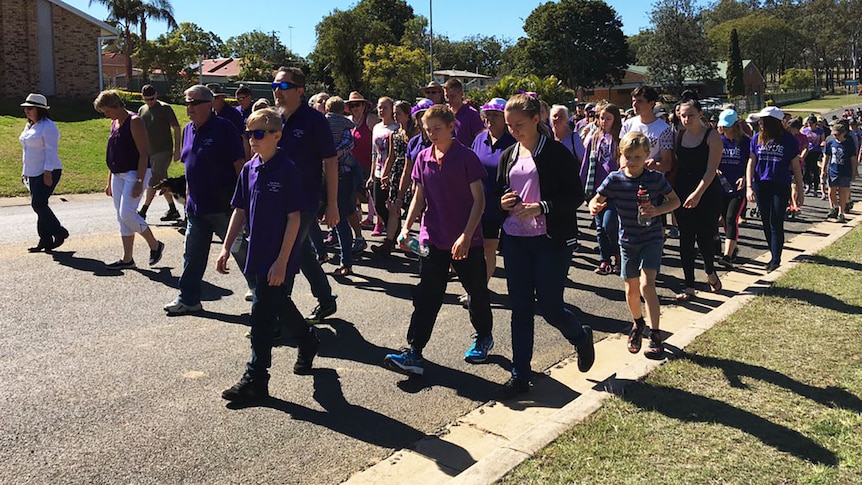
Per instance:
{"type": "Point", "coordinates": [269, 193]}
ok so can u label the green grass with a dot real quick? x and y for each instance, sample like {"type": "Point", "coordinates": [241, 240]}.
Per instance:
{"type": "Point", "coordinates": [772, 395]}
{"type": "Point", "coordinates": [83, 139]}
{"type": "Point", "coordinates": [826, 103]}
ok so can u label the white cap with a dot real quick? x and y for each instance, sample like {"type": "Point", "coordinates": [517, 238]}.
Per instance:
{"type": "Point", "coordinates": [769, 111]}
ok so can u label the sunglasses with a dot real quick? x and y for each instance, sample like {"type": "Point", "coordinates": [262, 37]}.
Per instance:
{"type": "Point", "coordinates": [196, 102]}
{"type": "Point", "coordinates": [433, 91]}
{"type": "Point", "coordinates": [258, 134]}
{"type": "Point", "coordinates": [284, 86]}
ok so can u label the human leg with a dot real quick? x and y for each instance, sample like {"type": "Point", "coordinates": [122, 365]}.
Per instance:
{"type": "Point", "coordinates": [428, 296]}
{"type": "Point", "coordinates": [520, 281]}
{"type": "Point", "coordinates": [199, 233]}
{"type": "Point", "coordinates": [47, 224]}
{"type": "Point", "coordinates": [687, 220]}
{"type": "Point", "coordinates": [311, 269]}
{"type": "Point", "coordinates": [473, 276]}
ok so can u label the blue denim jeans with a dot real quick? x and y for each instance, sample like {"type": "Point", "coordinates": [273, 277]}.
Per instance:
{"type": "Point", "coordinates": [772, 201]}
{"type": "Point", "coordinates": [199, 235]}
{"type": "Point", "coordinates": [309, 265]}
{"type": "Point", "coordinates": [47, 224]}
{"type": "Point", "coordinates": [536, 269]}
{"type": "Point", "coordinates": [607, 233]}
{"type": "Point", "coordinates": [271, 309]}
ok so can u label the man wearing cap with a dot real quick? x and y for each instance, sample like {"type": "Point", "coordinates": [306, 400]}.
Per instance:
{"type": "Point", "coordinates": [160, 120]}
{"type": "Point", "coordinates": [468, 123]}
{"type": "Point", "coordinates": [213, 155]}
{"type": "Point", "coordinates": [244, 97]}
{"type": "Point", "coordinates": [433, 91]}
{"type": "Point", "coordinates": [308, 141]}
{"type": "Point", "coordinates": [225, 110]}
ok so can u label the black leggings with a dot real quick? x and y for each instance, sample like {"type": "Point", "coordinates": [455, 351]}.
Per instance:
{"type": "Point", "coordinates": [698, 225]}
{"type": "Point", "coordinates": [812, 171]}
{"type": "Point", "coordinates": [381, 197]}
{"type": "Point", "coordinates": [733, 207]}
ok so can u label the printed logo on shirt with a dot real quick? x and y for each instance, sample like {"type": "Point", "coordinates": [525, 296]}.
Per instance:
{"type": "Point", "coordinates": [837, 155]}
{"type": "Point", "coordinates": [207, 142]}
{"type": "Point", "coordinates": [731, 155]}
{"type": "Point", "coordinates": [274, 187]}
{"type": "Point", "coordinates": [298, 132]}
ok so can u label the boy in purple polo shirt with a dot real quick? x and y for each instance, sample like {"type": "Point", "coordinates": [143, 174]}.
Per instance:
{"type": "Point", "coordinates": [269, 191]}
{"type": "Point", "coordinates": [448, 178]}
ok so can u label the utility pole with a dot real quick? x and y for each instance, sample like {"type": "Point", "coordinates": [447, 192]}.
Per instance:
{"type": "Point", "coordinates": [431, 38]}
{"type": "Point", "coordinates": [290, 29]}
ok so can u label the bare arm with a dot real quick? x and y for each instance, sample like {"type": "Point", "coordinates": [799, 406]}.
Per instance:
{"type": "Point", "coordinates": [749, 178]}
{"type": "Point", "coordinates": [462, 244]}
{"type": "Point", "coordinates": [417, 205]}
{"type": "Point", "coordinates": [237, 219]}
{"type": "Point", "coordinates": [178, 134]}
{"type": "Point", "coordinates": [715, 147]}
{"type": "Point", "coordinates": [278, 270]}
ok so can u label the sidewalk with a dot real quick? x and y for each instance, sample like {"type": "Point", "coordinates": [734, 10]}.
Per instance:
{"type": "Point", "coordinates": [487, 443]}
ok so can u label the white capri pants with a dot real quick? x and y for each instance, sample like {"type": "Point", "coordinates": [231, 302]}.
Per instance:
{"type": "Point", "coordinates": [122, 185]}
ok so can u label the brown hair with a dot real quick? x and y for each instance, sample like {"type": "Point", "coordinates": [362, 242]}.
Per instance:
{"type": "Point", "coordinates": [269, 116]}
{"type": "Point", "coordinates": [529, 106]}
{"type": "Point", "coordinates": [335, 105]}
{"type": "Point", "coordinates": [616, 127]}
{"type": "Point", "coordinates": [109, 98]}
{"type": "Point", "coordinates": [410, 130]}
{"type": "Point", "coordinates": [772, 130]}
{"type": "Point", "coordinates": [634, 140]}
{"type": "Point", "coordinates": [296, 75]}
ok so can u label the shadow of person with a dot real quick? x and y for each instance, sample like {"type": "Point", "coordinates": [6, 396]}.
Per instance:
{"type": "Point", "coordinates": [95, 266]}
{"type": "Point", "coordinates": [815, 298]}
{"type": "Point", "coordinates": [685, 406]}
{"type": "Point", "coordinates": [366, 425]}
{"type": "Point", "coordinates": [840, 263]}
{"type": "Point", "coordinates": [733, 371]}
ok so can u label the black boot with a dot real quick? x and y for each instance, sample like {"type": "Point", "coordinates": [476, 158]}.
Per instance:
{"type": "Point", "coordinates": [384, 249]}
{"type": "Point", "coordinates": [248, 389]}
{"type": "Point", "coordinates": [306, 351]}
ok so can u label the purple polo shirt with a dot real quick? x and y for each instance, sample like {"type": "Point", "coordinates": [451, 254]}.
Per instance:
{"type": "Point", "coordinates": [447, 194]}
{"type": "Point", "coordinates": [209, 152]}
{"type": "Point", "coordinates": [307, 140]}
{"type": "Point", "coordinates": [468, 124]}
{"type": "Point", "coordinates": [489, 155]}
{"type": "Point", "coordinates": [772, 161]}
{"type": "Point", "coordinates": [268, 192]}
{"type": "Point", "coordinates": [231, 114]}
{"type": "Point", "coordinates": [416, 145]}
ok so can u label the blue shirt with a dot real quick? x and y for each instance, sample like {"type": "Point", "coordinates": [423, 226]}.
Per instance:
{"type": "Point", "coordinates": [575, 145]}
{"type": "Point", "coordinates": [772, 161]}
{"type": "Point", "coordinates": [269, 192]}
{"type": "Point", "coordinates": [209, 152]}
{"type": "Point", "coordinates": [489, 155]}
{"type": "Point", "coordinates": [840, 154]}
{"type": "Point", "coordinates": [623, 192]}
{"type": "Point", "coordinates": [306, 139]}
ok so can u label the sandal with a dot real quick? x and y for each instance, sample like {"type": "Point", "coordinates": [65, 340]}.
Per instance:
{"type": "Point", "coordinates": [635, 337]}
{"type": "Point", "coordinates": [655, 350]}
{"type": "Point", "coordinates": [685, 295]}
{"type": "Point", "coordinates": [343, 271]}
{"type": "Point", "coordinates": [714, 287]}
{"type": "Point", "coordinates": [604, 269]}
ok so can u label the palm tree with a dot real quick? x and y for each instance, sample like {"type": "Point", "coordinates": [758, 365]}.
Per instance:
{"type": "Point", "coordinates": [156, 10]}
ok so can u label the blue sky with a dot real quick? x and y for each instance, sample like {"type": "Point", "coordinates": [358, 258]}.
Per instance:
{"type": "Point", "coordinates": [454, 18]}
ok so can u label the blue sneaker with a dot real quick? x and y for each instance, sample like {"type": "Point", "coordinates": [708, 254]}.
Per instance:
{"type": "Point", "coordinates": [478, 352]}
{"type": "Point", "coordinates": [407, 362]}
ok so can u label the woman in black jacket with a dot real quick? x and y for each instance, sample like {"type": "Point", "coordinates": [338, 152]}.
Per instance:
{"type": "Point", "coordinates": [539, 189]}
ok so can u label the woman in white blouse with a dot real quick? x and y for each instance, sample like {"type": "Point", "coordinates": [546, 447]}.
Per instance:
{"type": "Point", "coordinates": [42, 170]}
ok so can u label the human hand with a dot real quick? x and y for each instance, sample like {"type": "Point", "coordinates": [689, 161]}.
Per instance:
{"type": "Point", "coordinates": [691, 201]}
{"type": "Point", "coordinates": [460, 248]}
{"type": "Point", "coordinates": [331, 217]}
{"type": "Point", "coordinates": [526, 211]}
{"type": "Point", "coordinates": [509, 199]}
{"type": "Point", "coordinates": [276, 273]}
{"type": "Point", "coordinates": [749, 194]}
{"type": "Point", "coordinates": [740, 183]}
{"type": "Point", "coordinates": [48, 179]}
{"type": "Point", "coordinates": [221, 262]}
{"type": "Point", "coordinates": [596, 207]}
{"type": "Point", "coordinates": [108, 190]}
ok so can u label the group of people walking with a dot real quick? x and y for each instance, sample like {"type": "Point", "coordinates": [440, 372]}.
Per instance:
{"type": "Point", "coordinates": [508, 176]}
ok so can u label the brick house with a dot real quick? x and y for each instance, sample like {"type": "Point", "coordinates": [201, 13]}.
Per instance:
{"type": "Point", "coordinates": [50, 47]}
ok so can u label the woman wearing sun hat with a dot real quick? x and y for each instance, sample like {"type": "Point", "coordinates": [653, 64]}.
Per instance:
{"type": "Point", "coordinates": [42, 170]}
{"type": "Point", "coordinates": [774, 157]}
{"type": "Point", "coordinates": [359, 109]}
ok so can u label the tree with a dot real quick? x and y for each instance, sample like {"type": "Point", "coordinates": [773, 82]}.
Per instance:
{"type": "Point", "coordinates": [764, 38]}
{"type": "Point", "coordinates": [549, 89]}
{"type": "Point", "coordinates": [156, 10]}
{"type": "Point", "coordinates": [637, 45]}
{"type": "Point", "coordinates": [721, 11]}
{"type": "Point", "coordinates": [394, 14]}
{"type": "Point", "coordinates": [735, 82]}
{"type": "Point", "coordinates": [178, 49]}
{"type": "Point", "coordinates": [797, 79]}
{"type": "Point", "coordinates": [266, 47]}
{"type": "Point", "coordinates": [255, 68]}
{"type": "Point", "coordinates": [679, 49]}
{"type": "Point", "coordinates": [475, 53]}
{"type": "Point", "coordinates": [580, 41]}
{"type": "Point", "coordinates": [393, 70]}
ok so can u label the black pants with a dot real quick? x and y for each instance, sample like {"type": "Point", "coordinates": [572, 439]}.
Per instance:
{"type": "Point", "coordinates": [47, 224]}
{"type": "Point", "coordinates": [772, 202]}
{"type": "Point", "coordinates": [733, 207]}
{"type": "Point", "coordinates": [812, 172]}
{"type": "Point", "coordinates": [381, 196]}
{"type": "Point", "coordinates": [428, 296]}
{"type": "Point", "coordinates": [698, 225]}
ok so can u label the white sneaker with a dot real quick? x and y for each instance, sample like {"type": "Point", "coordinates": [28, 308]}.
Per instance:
{"type": "Point", "coordinates": [177, 307]}
{"type": "Point", "coordinates": [249, 295]}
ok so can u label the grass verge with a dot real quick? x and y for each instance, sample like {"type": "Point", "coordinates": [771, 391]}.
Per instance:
{"type": "Point", "coordinates": [772, 395]}
{"type": "Point", "coordinates": [83, 140]}
{"type": "Point", "coordinates": [827, 102]}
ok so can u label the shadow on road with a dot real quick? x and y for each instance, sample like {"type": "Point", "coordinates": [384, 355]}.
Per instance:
{"type": "Point", "coordinates": [95, 266]}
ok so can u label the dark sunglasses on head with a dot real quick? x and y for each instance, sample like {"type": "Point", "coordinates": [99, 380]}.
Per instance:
{"type": "Point", "coordinates": [195, 102]}
{"type": "Point", "coordinates": [284, 86]}
{"type": "Point", "coordinates": [257, 134]}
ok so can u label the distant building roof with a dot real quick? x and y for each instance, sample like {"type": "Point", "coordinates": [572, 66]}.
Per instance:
{"type": "Point", "coordinates": [117, 59]}
{"type": "Point", "coordinates": [461, 74]}
{"type": "Point", "coordinates": [223, 67]}
{"type": "Point", "coordinates": [107, 30]}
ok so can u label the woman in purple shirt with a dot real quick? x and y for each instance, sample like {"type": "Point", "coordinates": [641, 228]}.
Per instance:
{"type": "Point", "coordinates": [448, 188]}
{"type": "Point", "coordinates": [128, 161]}
{"type": "Point", "coordinates": [734, 157]}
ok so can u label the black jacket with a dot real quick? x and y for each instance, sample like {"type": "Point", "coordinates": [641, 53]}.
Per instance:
{"type": "Point", "coordinates": [559, 183]}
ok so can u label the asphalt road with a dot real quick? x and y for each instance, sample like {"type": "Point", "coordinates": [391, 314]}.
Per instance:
{"type": "Point", "coordinates": [101, 387]}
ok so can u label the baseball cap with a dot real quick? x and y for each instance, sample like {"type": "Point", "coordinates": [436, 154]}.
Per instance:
{"type": "Point", "coordinates": [727, 118]}
{"type": "Point", "coordinates": [769, 112]}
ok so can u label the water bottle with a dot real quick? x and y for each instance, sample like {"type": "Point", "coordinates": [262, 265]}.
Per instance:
{"type": "Point", "coordinates": [725, 184]}
{"type": "Point", "coordinates": [415, 246]}
{"type": "Point", "coordinates": [643, 199]}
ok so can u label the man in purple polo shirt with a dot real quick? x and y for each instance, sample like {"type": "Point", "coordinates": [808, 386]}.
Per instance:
{"type": "Point", "coordinates": [468, 123]}
{"type": "Point", "coordinates": [307, 140]}
{"type": "Point", "coordinates": [223, 109]}
{"type": "Point", "coordinates": [213, 155]}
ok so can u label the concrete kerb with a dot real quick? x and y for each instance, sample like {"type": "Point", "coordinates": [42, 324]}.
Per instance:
{"type": "Point", "coordinates": [498, 444]}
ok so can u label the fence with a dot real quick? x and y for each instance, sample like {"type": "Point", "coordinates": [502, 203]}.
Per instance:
{"type": "Point", "coordinates": [756, 102]}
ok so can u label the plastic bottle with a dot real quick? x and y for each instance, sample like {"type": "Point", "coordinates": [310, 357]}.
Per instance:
{"type": "Point", "coordinates": [415, 246]}
{"type": "Point", "coordinates": [643, 199]}
{"type": "Point", "coordinates": [725, 184]}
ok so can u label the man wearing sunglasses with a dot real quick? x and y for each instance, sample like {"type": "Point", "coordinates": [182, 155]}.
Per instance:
{"type": "Point", "coordinates": [213, 155]}
{"type": "Point", "coordinates": [307, 140]}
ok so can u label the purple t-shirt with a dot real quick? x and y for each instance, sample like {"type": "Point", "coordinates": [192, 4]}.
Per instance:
{"type": "Point", "coordinates": [416, 145]}
{"type": "Point", "coordinates": [489, 155]}
{"type": "Point", "coordinates": [734, 159]}
{"type": "Point", "coordinates": [306, 138]}
{"type": "Point", "coordinates": [605, 162]}
{"type": "Point", "coordinates": [448, 197]}
{"type": "Point", "coordinates": [231, 114]}
{"type": "Point", "coordinates": [468, 124]}
{"type": "Point", "coordinates": [524, 180]}
{"type": "Point", "coordinates": [772, 161]}
{"type": "Point", "coordinates": [209, 152]}
{"type": "Point", "coordinates": [814, 137]}
{"type": "Point", "coordinates": [268, 192]}
{"type": "Point", "coordinates": [575, 145]}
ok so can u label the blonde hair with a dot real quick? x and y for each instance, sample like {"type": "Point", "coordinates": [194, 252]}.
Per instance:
{"type": "Point", "coordinates": [634, 140]}
{"type": "Point", "coordinates": [529, 106]}
{"type": "Point", "coordinates": [441, 112]}
{"type": "Point", "coordinates": [109, 98]}
{"type": "Point", "coordinates": [269, 116]}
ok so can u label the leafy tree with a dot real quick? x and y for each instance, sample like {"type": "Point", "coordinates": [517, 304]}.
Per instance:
{"type": "Point", "coordinates": [797, 79]}
{"type": "Point", "coordinates": [679, 49]}
{"type": "Point", "coordinates": [721, 11]}
{"type": "Point", "coordinates": [178, 49]}
{"type": "Point", "coordinates": [549, 89]}
{"type": "Point", "coordinates": [394, 14]}
{"type": "Point", "coordinates": [475, 53]}
{"type": "Point", "coordinates": [267, 48]}
{"type": "Point", "coordinates": [515, 59]}
{"type": "Point", "coordinates": [157, 10]}
{"type": "Point", "coordinates": [735, 82]}
{"type": "Point", "coordinates": [763, 37]}
{"type": "Point", "coordinates": [393, 70]}
{"type": "Point", "coordinates": [255, 68]}
{"type": "Point", "coordinates": [637, 44]}
{"type": "Point", "coordinates": [580, 41]}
